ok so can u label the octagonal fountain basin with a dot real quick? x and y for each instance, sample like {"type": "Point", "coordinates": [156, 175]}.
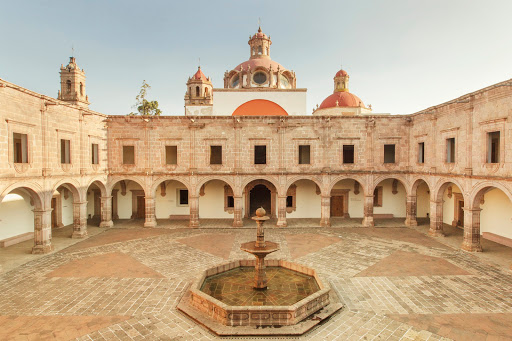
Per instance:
{"type": "Point", "coordinates": [225, 293]}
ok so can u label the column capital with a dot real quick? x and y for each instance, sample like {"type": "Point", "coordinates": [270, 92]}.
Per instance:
{"type": "Point", "coordinates": [471, 209]}
{"type": "Point", "coordinates": [106, 198]}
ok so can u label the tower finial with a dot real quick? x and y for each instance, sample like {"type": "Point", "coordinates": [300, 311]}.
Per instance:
{"type": "Point", "coordinates": [199, 62]}
{"type": "Point", "coordinates": [72, 50]}
{"type": "Point", "coordinates": [259, 24]}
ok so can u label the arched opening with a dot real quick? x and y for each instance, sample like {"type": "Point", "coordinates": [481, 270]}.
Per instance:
{"type": "Point", "coordinates": [81, 89]}
{"type": "Point", "coordinates": [216, 200]}
{"type": "Point", "coordinates": [205, 92]}
{"type": "Point", "coordinates": [347, 202]}
{"type": "Point", "coordinates": [197, 91]}
{"type": "Point", "coordinates": [128, 201]}
{"type": "Point", "coordinates": [260, 50]}
{"type": "Point", "coordinates": [303, 201]}
{"type": "Point", "coordinates": [17, 223]}
{"type": "Point", "coordinates": [495, 221]}
{"type": "Point", "coordinates": [68, 213]}
{"type": "Point", "coordinates": [389, 202]}
{"type": "Point", "coordinates": [420, 197]}
{"type": "Point", "coordinates": [68, 86]}
{"type": "Point", "coordinates": [260, 193]}
{"type": "Point", "coordinates": [172, 202]}
{"type": "Point", "coordinates": [95, 192]}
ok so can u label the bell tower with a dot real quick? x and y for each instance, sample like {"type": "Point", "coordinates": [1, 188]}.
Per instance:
{"type": "Point", "coordinates": [199, 89]}
{"type": "Point", "coordinates": [72, 84]}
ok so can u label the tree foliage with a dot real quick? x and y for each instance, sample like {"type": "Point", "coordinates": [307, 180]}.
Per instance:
{"type": "Point", "coordinates": [143, 106]}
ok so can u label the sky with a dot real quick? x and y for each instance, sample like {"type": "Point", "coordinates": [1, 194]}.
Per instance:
{"type": "Point", "coordinates": [402, 55]}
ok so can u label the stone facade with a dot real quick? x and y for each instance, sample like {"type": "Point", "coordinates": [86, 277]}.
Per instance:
{"type": "Point", "coordinates": [479, 163]}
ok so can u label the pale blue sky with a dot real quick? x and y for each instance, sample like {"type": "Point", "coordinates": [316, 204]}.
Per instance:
{"type": "Point", "coordinates": [402, 55]}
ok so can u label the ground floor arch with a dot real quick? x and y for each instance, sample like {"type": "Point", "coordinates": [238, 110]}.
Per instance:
{"type": "Point", "coordinates": [172, 201]}
{"type": "Point", "coordinates": [260, 193]}
{"type": "Point", "coordinates": [99, 205]}
{"type": "Point", "coordinates": [128, 200]}
{"type": "Point", "coordinates": [389, 200]}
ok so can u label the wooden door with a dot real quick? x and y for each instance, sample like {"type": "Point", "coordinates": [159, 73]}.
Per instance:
{"type": "Point", "coordinates": [337, 206]}
{"type": "Point", "coordinates": [54, 212]}
{"type": "Point", "coordinates": [141, 208]}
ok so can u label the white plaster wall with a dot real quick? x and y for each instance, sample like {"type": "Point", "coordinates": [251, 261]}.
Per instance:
{"type": "Point", "coordinates": [449, 205]}
{"type": "Point", "coordinates": [496, 214]}
{"type": "Point", "coordinates": [16, 216]}
{"type": "Point", "coordinates": [355, 202]}
{"type": "Point", "coordinates": [422, 201]}
{"type": "Point", "coordinates": [169, 205]}
{"type": "Point", "coordinates": [391, 203]}
{"type": "Point", "coordinates": [226, 102]}
{"type": "Point", "coordinates": [211, 205]}
{"type": "Point", "coordinates": [124, 202]}
{"type": "Point", "coordinates": [308, 202]}
{"type": "Point", "coordinates": [198, 110]}
{"type": "Point", "coordinates": [67, 209]}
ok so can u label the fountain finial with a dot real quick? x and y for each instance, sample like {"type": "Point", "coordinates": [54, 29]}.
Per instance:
{"type": "Point", "coordinates": [260, 212]}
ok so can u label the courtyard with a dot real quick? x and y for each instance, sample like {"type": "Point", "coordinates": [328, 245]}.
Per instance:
{"type": "Point", "coordinates": [123, 283]}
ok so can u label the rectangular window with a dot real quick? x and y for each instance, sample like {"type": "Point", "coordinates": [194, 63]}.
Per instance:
{"type": "Point", "coordinates": [493, 147]}
{"type": "Point", "coordinates": [231, 201]}
{"type": "Point", "coordinates": [389, 153]}
{"type": "Point", "coordinates": [183, 197]}
{"type": "Point", "coordinates": [65, 152]}
{"type": "Point", "coordinates": [304, 155]}
{"type": "Point", "coordinates": [215, 155]}
{"type": "Point", "coordinates": [289, 201]}
{"type": "Point", "coordinates": [421, 152]}
{"type": "Point", "coordinates": [450, 150]}
{"type": "Point", "coordinates": [260, 155]}
{"type": "Point", "coordinates": [20, 148]}
{"type": "Point", "coordinates": [171, 155]}
{"type": "Point", "coordinates": [94, 153]}
{"type": "Point", "coordinates": [128, 155]}
{"type": "Point", "coordinates": [348, 153]}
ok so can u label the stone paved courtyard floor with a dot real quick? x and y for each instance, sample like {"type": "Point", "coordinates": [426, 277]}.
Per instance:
{"type": "Point", "coordinates": [124, 283]}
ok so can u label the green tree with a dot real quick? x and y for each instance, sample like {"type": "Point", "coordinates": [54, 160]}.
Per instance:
{"type": "Point", "coordinates": [143, 106]}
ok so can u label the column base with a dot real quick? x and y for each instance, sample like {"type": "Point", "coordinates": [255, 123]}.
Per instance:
{"type": "Point", "coordinates": [42, 249]}
{"type": "Point", "coordinates": [368, 222]}
{"type": "Point", "coordinates": [238, 223]}
{"type": "Point", "coordinates": [79, 234]}
{"type": "Point", "coordinates": [107, 224]}
{"type": "Point", "coordinates": [325, 223]}
{"type": "Point", "coordinates": [194, 224]}
{"type": "Point", "coordinates": [411, 222]}
{"type": "Point", "coordinates": [435, 233]}
{"type": "Point", "coordinates": [471, 247]}
{"type": "Point", "coordinates": [281, 223]}
{"type": "Point", "coordinates": [149, 224]}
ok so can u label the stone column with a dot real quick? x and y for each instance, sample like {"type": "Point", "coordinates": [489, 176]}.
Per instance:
{"type": "Point", "coordinates": [106, 212]}
{"type": "Point", "coordinates": [42, 231]}
{"type": "Point", "coordinates": [471, 230]}
{"type": "Point", "coordinates": [149, 205]}
{"type": "Point", "coordinates": [237, 212]}
{"type": "Point", "coordinates": [410, 211]}
{"type": "Point", "coordinates": [436, 218]}
{"type": "Point", "coordinates": [368, 211]}
{"type": "Point", "coordinates": [79, 219]}
{"type": "Point", "coordinates": [193, 202]}
{"type": "Point", "coordinates": [281, 211]}
{"type": "Point", "coordinates": [325, 211]}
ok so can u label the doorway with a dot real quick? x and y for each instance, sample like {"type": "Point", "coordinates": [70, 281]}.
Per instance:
{"type": "Point", "coordinates": [54, 212]}
{"type": "Point", "coordinates": [260, 196]}
{"type": "Point", "coordinates": [337, 206]}
{"type": "Point", "coordinates": [141, 207]}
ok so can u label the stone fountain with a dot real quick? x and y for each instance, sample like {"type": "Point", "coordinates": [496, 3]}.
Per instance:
{"type": "Point", "coordinates": [237, 298]}
{"type": "Point", "coordinates": [260, 249]}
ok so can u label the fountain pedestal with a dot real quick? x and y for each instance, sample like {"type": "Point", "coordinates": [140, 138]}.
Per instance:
{"type": "Point", "coordinates": [260, 249]}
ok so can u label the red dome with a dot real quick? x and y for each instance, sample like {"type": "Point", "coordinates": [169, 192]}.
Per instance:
{"type": "Point", "coordinates": [345, 99]}
{"type": "Point", "coordinates": [256, 62]}
{"type": "Point", "coordinates": [200, 75]}
{"type": "Point", "coordinates": [260, 34]}
{"type": "Point", "coordinates": [341, 73]}
{"type": "Point", "coordinates": [260, 107]}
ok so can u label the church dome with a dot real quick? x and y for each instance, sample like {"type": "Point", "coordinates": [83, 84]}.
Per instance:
{"type": "Point", "coordinates": [199, 75]}
{"type": "Point", "coordinates": [341, 73]}
{"type": "Point", "coordinates": [341, 99]}
{"type": "Point", "coordinates": [260, 107]}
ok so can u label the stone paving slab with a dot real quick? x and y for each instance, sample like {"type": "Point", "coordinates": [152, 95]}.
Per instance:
{"type": "Point", "coordinates": [405, 306]}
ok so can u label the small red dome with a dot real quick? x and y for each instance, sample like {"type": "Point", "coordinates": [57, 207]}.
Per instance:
{"type": "Point", "coordinates": [345, 99]}
{"type": "Point", "coordinates": [260, 34]}
{"type": "Point", "coordinates": [200, 75]}
{"type": "Point", "coordinates": [341, 73]}
{"type": "Point", "coordinates": [260, 107]}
